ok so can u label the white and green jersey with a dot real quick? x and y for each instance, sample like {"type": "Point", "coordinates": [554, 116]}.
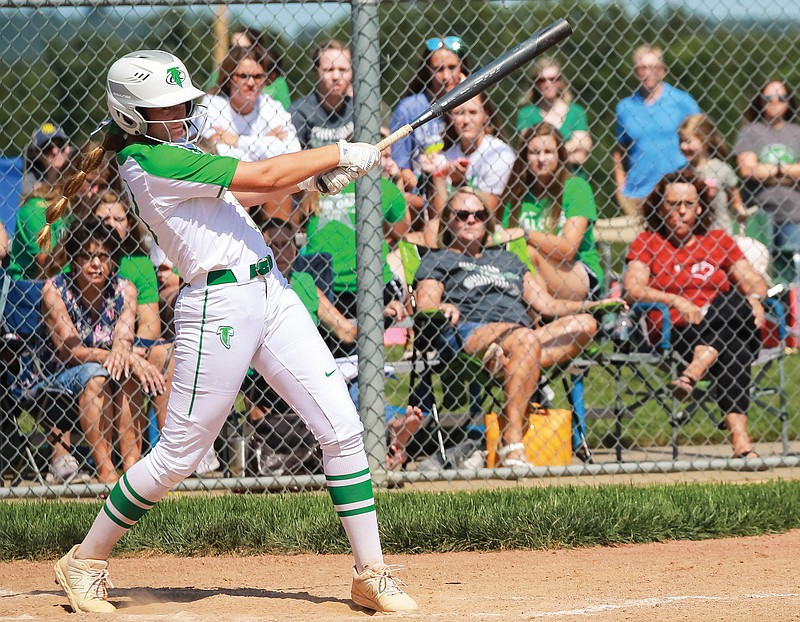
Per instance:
{"type": "Point", "coordinates": [182, 195]}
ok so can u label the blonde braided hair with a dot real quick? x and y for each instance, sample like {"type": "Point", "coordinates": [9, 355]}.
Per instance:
{"type": "Point", "coordinates": [58, 207]}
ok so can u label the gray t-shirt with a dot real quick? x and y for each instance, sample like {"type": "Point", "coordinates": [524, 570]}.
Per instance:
{"type": "Point", "coordinates": [726, 179]}
{"type": "Point", "coordinates": [485, 289]}
{"type": "Point", "coordinates": [317, 126]}
{"type": "Point", "coordinates": [773, 145]}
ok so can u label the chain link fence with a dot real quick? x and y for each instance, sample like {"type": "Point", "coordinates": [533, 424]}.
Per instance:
{"type": "Point", "coordinates": [506, 355]}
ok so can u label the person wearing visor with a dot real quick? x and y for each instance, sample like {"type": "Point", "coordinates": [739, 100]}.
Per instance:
{"type": "Point", "coordinates": [235, 311]}
{"type": "Point", "coordinates": [441, 70]}
{"type": "Point", "coordinates": [46, 157]}
{"type": "Point", "coordinates": [47, 160]}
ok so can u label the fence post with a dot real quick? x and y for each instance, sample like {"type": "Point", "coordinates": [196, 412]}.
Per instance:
{"type": "Point", "coordinates": [369, 236]}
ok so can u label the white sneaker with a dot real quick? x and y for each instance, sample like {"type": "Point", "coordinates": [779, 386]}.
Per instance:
{"type": "Point", "coordinates": [377, 589]}
{"type": "Point", "coordinates": [85, 582]}
{"type": "Point", "coordinates": [210, 462]}
{"type": "Point", "coordinates": [65, 469]}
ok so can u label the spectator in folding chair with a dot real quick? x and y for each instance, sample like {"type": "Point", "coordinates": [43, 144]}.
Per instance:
{"type": "Point", "coordinates": [713, 293]}
{"type": "Point", "coordinates": [489, 296]}
{"type": "Point", "coordinates": [280, 235]}
{"type": "Point", "coordinates": [557, 212]}
{"type": "Point", "coordinates": [90, 314]}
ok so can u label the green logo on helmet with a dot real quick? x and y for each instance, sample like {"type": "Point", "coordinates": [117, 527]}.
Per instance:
{"type": "Point", "coordinates": [175, 76]}
{"type": "Point", "coordinates": [225, 333]}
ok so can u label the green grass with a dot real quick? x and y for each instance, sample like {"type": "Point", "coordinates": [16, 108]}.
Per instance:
{"type": "Point", "coordinates": [419, 522]}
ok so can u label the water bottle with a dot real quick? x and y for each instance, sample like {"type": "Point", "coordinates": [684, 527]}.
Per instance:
{"type": "Point", "coordinates": [623, 331]}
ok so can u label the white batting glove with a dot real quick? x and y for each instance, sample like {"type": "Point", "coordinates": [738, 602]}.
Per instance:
{"type": "Point", "coordinates": [335, 180]}
{"type": "Point", "coordinates": [362, 156]}
{"type": "Point", "coordinates": [332, 182]}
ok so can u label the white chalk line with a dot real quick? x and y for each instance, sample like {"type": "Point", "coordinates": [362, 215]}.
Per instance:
{"type": "Point", "coordinates": [653, 602]}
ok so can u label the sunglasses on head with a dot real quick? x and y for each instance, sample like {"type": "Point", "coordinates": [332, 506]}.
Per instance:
{"type": "Point", "coordinates": [463, 215]}
{"type": "Point", "coordinates": [452, 43]}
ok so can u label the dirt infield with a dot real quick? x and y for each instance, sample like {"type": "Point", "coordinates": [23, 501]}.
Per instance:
{"type": "Point", "coordinates": [743, 579]}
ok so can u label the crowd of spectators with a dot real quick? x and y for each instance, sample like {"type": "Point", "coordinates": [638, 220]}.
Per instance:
{"type": "Point", "coordinates": [457, 190]}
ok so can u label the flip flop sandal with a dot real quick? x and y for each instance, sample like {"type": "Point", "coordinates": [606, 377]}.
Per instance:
{"type": "Point", "coordinates": [492, 358]}
{"type": "Point", "coordinates": [510, 463]}
{"type": "Point", "coordinates": [683, 387]}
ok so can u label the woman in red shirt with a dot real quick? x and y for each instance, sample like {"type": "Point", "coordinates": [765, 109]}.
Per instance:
{"type": "Point", "coordinates": [713, 293]}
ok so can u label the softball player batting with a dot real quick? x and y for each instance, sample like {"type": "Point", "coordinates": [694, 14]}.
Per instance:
{"type": "Point", "coordinates": [235, 312]}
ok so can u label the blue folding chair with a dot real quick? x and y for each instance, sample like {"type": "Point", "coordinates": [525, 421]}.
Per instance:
{"type": "Point", "coordinates": [10, 189]}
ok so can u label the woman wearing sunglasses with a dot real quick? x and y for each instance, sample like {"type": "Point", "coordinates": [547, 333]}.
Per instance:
{"type": "Point", "coordinates": [494, 301]}
{"type": "Point", "coordinates": [550, 99]}
{"type": "Point", "coordinates": [767, 153]}
{"type": "Point", "coordinates": [441, 70]}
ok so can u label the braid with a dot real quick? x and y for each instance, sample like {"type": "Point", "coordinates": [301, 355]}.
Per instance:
{"type": "Point", "coordinates": [58, 208]}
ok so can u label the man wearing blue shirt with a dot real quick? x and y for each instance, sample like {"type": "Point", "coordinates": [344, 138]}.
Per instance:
{"type": "Point", "coordinates": [647, 130]}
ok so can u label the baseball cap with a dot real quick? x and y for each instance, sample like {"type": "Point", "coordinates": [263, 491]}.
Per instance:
{"type": "Point", "coordinates": [48, 132]}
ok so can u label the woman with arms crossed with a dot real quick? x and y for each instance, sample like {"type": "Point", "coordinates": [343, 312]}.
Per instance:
{"type": "Point", "coordinates": [235, 311]}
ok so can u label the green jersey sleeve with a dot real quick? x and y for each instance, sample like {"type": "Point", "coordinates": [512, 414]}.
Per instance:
{"type": "Point", "coordinates": [207, 174]}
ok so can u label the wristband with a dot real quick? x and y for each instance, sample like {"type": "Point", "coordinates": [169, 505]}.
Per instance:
{"type": "Point", "coordinates": [758, 297]}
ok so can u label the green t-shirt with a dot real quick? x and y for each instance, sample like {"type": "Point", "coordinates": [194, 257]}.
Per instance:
{"type": "Point", "coordinates": [139, 270]}
{"type": "Point", "coordinates": [306, 289]}
{"type": "Point", "coordinates": [333, 230]}
{"type": "Point", "coordinates": [575, 120]}
{"type": "Point", "coordinates": [577, 200]}
{"type": "Point", "coordinates": [30, 221]}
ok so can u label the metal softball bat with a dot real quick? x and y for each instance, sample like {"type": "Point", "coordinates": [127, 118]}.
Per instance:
{"type": "Point", "coordinates": [487, 76]}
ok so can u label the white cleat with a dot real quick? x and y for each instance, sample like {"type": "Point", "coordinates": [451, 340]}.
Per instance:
{"type": "Point", "coordinates": [85, 582]}
{"type": "Point", "coordinates": [376, 588]}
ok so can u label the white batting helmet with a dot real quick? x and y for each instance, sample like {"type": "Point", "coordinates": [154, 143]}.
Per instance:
{"type": "Point", "coordinates": [149, 79]}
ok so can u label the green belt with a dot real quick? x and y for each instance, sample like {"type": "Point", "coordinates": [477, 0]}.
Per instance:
{"type": "Point", "coordinates": [221, 277]}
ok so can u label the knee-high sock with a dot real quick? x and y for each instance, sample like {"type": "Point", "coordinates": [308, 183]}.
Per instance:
{"type": "Point", "coordinates": [135, 493]}
{"type": "Point", "coordinates": [350, 486]}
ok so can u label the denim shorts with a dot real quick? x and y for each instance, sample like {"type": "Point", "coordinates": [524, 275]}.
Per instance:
{"type": "Point", "coordinates": [454, 338]}
{"type": "Point", "coordinates": [74, 379]}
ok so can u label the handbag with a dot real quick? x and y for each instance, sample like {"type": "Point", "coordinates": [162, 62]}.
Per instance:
{"type": "Point", "coordinates": [548, 439]}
